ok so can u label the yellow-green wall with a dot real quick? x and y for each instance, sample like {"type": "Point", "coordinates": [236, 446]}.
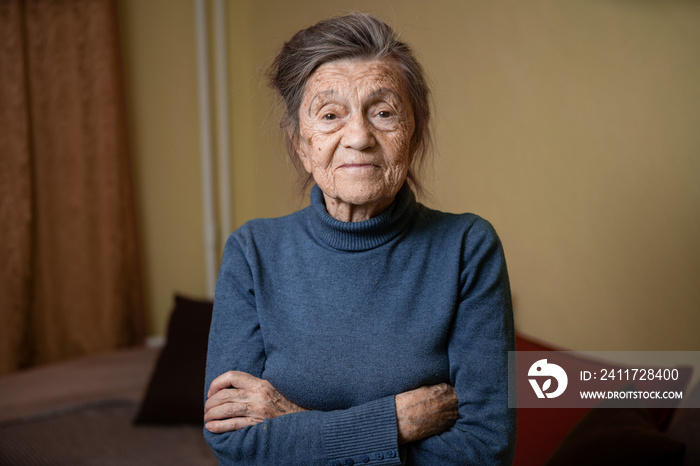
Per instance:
{"type": "Point", "coordinates": [159, 66]}
{"type": "Point", "coordinates": [572, 126]}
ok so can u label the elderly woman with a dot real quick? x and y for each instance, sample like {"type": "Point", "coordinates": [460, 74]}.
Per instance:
{"type": "Point", "coordinates": [365, 328]}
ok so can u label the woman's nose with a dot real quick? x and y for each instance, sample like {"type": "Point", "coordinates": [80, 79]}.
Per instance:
{"type": "Point", "coordinates": [357, 134]}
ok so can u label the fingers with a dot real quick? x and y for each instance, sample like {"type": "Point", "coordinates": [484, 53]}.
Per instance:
{"type": "Point", "coordinates": [425, 411]}
{"type": "Point", "coordinates": [445, 401]}
{"type": "Point", "coordinates": [229, 425]}
{"type": "Point", "coordinates": [445, 394]}
{"type": "Point", "coordinates": [237, 399]}
{"type": "Point", "coordinates": [224, 396]}
{"type": "Point", "coordinates": [232, 379]}
{"type": "Point", "coordinates": [229, 411]}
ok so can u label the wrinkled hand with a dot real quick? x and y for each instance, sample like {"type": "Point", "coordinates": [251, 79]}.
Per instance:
{"type": "Point", "coordinates": [425, 411]}
{"type": "Point", "coordinates": [236, 400]}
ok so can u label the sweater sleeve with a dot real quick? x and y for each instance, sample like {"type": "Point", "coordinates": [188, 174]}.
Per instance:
{"type": "Point", "coordinates": [361, 434]}
{"type": "Point", "coordinates": [481, 336]}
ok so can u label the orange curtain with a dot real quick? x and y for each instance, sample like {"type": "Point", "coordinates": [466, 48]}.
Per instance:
{"type": "Point", "coordinates": [69, 274]}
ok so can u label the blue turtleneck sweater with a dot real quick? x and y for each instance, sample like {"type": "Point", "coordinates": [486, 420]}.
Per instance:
{"type": "Point", "coordinates": [341, 317]}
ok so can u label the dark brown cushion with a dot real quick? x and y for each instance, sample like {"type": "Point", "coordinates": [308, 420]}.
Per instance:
{"type": "Point", "coordinates": [176, 390]}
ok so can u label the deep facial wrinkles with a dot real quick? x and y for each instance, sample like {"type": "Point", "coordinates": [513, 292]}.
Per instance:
{"type": "Point", "coordinates": [356, 125]}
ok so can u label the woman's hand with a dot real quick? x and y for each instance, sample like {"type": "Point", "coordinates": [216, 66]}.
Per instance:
{"type": "Point", "coordinates": [426, 411]}
{"type": "Point", "coordinates": [236, 400]}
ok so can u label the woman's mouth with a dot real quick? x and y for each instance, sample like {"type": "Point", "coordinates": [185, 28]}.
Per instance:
{"type": "Point", "coordinates": [358, 166]}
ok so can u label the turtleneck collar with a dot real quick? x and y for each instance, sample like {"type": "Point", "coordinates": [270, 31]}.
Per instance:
{"type": "Point", "coordinates": [361, 236]}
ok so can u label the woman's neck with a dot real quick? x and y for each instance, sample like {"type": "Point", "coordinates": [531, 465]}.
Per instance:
{"type": "Point", "coordinates": [345, 212]}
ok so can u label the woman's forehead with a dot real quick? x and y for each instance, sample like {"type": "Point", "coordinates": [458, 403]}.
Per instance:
{"type": "Point", "coordinates": [367, 77]}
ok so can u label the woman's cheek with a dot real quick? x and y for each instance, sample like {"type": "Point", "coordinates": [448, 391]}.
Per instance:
{"type": "Point", "coordinates": [323, 146]}
{"type": "Point", "coordinates": [400, 145]}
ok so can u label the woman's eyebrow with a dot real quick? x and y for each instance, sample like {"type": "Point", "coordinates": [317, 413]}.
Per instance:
{"type": "Point", "coordinates": [319, 95]}
{"type": "Point", "coordinates": [382, 92]}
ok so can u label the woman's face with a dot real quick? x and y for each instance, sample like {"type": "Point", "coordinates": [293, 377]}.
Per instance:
{"type": "Point", "coordinates": [355, 128]}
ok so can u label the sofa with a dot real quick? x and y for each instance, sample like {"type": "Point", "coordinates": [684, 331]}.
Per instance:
{"type": "Point", "coordinates": [143, 406]}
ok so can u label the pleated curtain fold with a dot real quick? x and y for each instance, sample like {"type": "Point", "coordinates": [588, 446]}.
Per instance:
{"type": "Point", "coordinates": [69, 268]}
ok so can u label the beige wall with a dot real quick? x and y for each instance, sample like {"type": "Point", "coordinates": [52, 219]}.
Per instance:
{"type": "Point", "coordinates": [571, 126]}
{"type": "Point", "coordinates": [160, 74]}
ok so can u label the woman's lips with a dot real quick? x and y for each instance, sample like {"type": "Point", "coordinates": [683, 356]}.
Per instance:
{"type": "Point", "coordinates": [358, 166]}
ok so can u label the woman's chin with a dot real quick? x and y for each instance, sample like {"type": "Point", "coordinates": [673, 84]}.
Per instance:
{"type": "Point", "coordinates": [364, 195]}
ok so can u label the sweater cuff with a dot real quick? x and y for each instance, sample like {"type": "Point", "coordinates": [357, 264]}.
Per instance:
{"type": "Point", "coordinates": [365, 434]}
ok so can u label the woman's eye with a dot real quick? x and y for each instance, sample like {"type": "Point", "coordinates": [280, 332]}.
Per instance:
{"type": "Point", "coordinates": [384, 114]}
{"type": "Point", "coordinates": [330, 116]}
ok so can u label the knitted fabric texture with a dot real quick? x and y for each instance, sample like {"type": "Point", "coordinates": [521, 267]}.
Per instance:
{"type": "Point", "coordinates": [341, 317]}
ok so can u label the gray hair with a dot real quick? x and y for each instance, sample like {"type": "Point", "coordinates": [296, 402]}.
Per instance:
{"type": "Point", "coordinates": [355, 36]}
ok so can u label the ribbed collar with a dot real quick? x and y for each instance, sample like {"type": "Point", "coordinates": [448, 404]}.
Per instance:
{"type": "Point", "coordinates": [361, 236]}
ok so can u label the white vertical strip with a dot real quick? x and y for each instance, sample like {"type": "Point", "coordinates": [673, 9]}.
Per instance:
{"type": "Point", "coordinates": [209, 222]}
{"type": "Point", "coordinates": [222, 116]}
